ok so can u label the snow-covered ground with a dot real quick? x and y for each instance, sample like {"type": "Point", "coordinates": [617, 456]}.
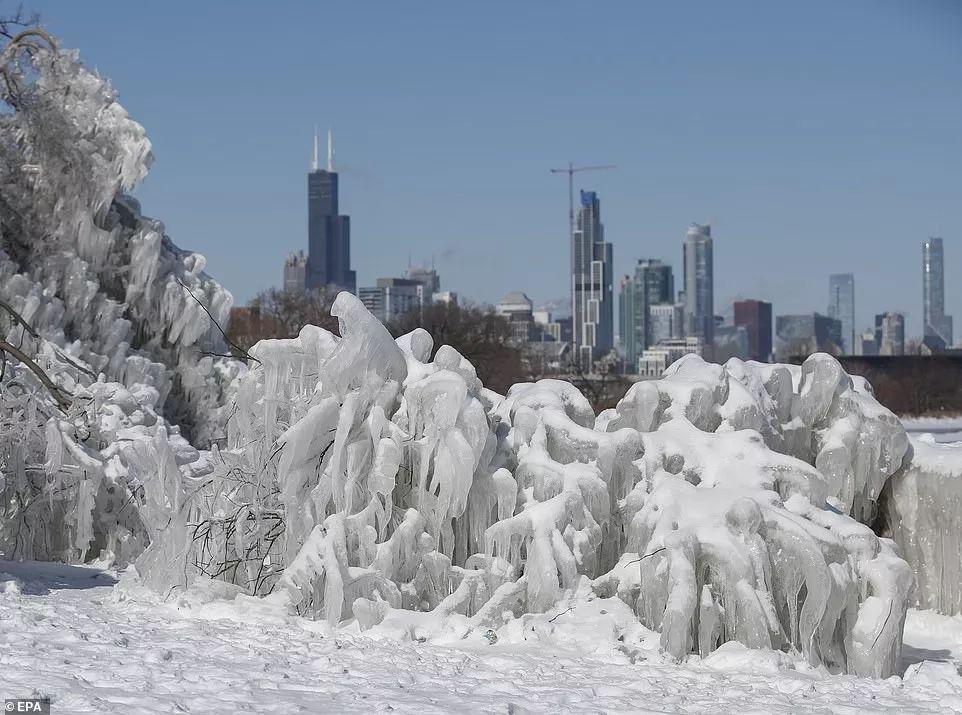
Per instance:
{"type": "Point", "coordinates": [70, 633]}
{"type": "Point", "coordinates": [943, 429]}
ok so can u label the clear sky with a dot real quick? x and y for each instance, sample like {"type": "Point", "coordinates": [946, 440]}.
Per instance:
{"type": "Point", "coordinates": [815, 137]}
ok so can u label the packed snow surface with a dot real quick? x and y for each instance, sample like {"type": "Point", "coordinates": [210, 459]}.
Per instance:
{"type": "Point", "coordinates": [69, 634]}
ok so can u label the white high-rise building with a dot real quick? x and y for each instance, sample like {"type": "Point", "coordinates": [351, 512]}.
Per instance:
{"type": "Point", "coordinates": [934, 319]}
{"type": "Point", "coordinates": [841, 306]}
{"type": "Point", "coordinates": [591, 285]}
{"type": "Point", "coordinates": [699, 283]}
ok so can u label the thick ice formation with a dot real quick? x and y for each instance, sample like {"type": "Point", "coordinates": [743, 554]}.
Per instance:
{"type": "Point", "coordinates": [107, 315]}
{"type": "Point", "coordinates": [923, 515]}
{"type": "Point", "coordinates": [360, 477]}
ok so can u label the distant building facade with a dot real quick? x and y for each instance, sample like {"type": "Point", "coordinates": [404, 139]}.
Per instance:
{"type": "Point", "coordinates": [731, 341]}
{"type": "Point", "coordinates": [295, 272]}
{"type": "Point", "coordinates": [652, 284]}
{"type": "Point", "coordinates": [328, 232]}
{"type": "Point", "coordinates": [666, 321]}
{"type": "Point", "coordinates": [935, 321]}
{"type": "Point", "coordinates": [802, 335]}
{"type": "Point", "coordinates": [699, 283]}
{"type": "Point", "coordinates": [890, 333]}
{"type": "Point", "coordinates": [867, 344]}
{"type": "Point", "coordinates": [393, 297]}
{"type": "Point", "coordinates": [428, 277]}
{"type": "Point", "coordinates": [756, 317]}
{"type": "Point", "coordinates": [551, 328]}
{"type": "Point", "coordinates": [841, 306]}
{"type": "Point", "coordinates": [654, 360]}
{"type": "Point", "coordinates": [592, 299]}
{"type": "Point", "coordinates": [446, 296]}
{"type": "Point", "coordinates": [518, 309]}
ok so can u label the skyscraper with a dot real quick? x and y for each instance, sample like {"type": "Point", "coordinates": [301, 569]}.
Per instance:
{"type": "Point", "coordinates": [841, 306]}
{"type": "Point", "coordinates": [665, 322]}
{"type": "Point", "coordinates": [592, 302]}
{"type": "Point", "coordinates": [295, 272]}
{"type": "Point", "coordinates": [328, 233]}
{"type": "Point", "coordinates": [393, 297]}
{"type": "Point", "coordinates": [628, 321]}
{"type": "Point", "coordinates": [802, 335]}
{"type": "Point", "coordinates": [935, 321]}
{"type": "Point", "coordinates": [699, 284]}
{"type": "Point", "coordinates": [890, 333]}
{"type": "Point", "coordinates": [756, 316]}
{"type": "Point", "coordinates": [653, 284]}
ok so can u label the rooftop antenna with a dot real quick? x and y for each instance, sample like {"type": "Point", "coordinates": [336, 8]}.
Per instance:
{"type": "Point", "coordinates": [330, 151]}
{"type": "Point", "coordinates": [314, 159]}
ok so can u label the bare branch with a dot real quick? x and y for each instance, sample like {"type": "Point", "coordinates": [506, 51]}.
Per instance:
{"type": "Point", "coordinates": [9, 23]}
{"type": "Point", "coordinates": [63, 398]}
{"type": "Point", "coordinates": [246, 355]}
{"type": "Point", "coordinates": [19, 319]}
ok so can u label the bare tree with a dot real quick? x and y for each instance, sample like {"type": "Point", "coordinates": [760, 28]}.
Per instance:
{"type": "Point", "coordinates": [603, 386]}
{"type": "Point", "coordinates": [280, 314]}
{"type": "Point", "coordinates": [13, 22]}
{"type": "Point", "coordinates": [479, 334]}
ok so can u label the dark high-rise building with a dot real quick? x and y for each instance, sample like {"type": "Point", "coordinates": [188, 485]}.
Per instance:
{"type": "Point", "coordinates": [328, 233]}
{"type": "Point", "coordinates": [756, 316]}
{"type": "Point", "coordinates": [890, 333]}
{"type": "Point", "coordinates": [653, 284]}
{"type": "Point", "coordinates": [699, 284]}
{"type": "Point", "coordinates": [935, 321]}
{"type": "Point", "coordinates": [841, 306]}
{"type": "Point", "coordinates": [802, 335]}
{"type": "Point", "coordinates": [592, 300]}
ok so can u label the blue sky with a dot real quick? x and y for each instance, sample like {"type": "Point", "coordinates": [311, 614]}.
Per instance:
{"type": "Point", "coordinates": [815, 137]}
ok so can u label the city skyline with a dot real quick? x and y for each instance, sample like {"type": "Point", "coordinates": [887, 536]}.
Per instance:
{"type": "Point", "coordinates": [867, 89]}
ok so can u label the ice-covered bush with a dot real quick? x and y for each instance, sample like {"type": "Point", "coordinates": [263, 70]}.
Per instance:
{"type": "Point", "coordinates": [360, 477]}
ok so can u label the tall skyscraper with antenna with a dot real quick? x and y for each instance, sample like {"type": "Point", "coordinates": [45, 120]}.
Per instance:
{"type": "Point", "coordinates": [328, 232]}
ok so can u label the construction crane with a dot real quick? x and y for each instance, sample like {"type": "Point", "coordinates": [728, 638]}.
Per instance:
{"type": "Point", "coordinates": [571, 170]}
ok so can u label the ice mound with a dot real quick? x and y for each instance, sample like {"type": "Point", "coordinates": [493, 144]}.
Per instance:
{"type": "Point", "coordinates": [360, 477]}
{"type": "Point", "coordinates": [923, 515]}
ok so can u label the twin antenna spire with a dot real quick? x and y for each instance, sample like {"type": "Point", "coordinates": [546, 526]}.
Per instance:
{"type": "Point", "coordinates": [330, 152]}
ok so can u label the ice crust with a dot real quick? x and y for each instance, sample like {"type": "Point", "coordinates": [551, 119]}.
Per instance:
{"type": "Point", "coordinates": [352, 477]}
